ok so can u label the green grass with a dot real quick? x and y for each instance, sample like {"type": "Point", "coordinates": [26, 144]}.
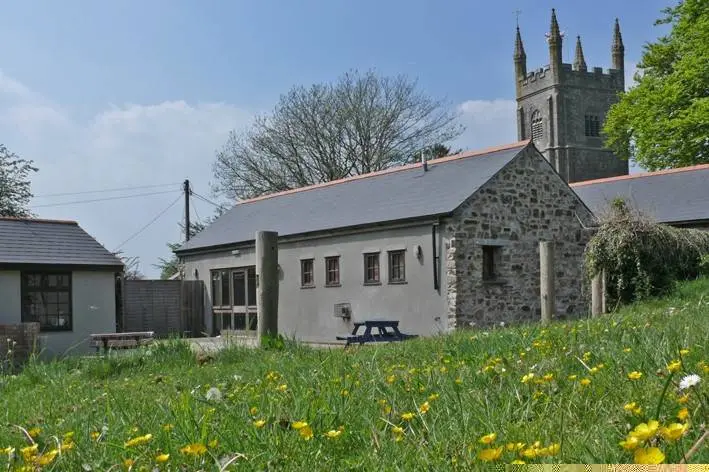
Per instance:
{"type": "Point", "coordinates": [129, 396]}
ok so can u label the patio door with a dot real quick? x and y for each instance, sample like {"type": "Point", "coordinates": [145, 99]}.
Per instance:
{"type": "Point", "coordinates": [235, 309]}
{"type": "Point", "coordinates": [244, 305]}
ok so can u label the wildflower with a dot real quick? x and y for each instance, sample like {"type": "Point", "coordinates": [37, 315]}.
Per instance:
{"type": "Point", "coordinates": [633, 408]}
{"type": "Point", "coordinates": [550, 450]}
{"type": "Point", "coordinates": [162, 458]}
{"type": "Point", "coordinates": [391, 379]}
{"type": "Point", "coordinates": [490, 454]}
{"type": "Point", "coordinates": [488, 438]}
{"type": "Point", "coordinates": [128, 463]}
{"type": "Point", "coordinates": [345, 392]}
{"type": "Point", "coordinates": [684, 352]}
{"type": "Point", "coordinates": [214, 394]}
{"type": "Point", "coordinates": [572, 377]}
{"type": "Point", "coordinates": [9, 450]}
{"type": "Point", "coordinates": [194, 449]}
{"type": "Point", "coordinates": [424, 407]}
{"type": "Point", "coordinates": [433, 396]}
{"type": "Point", "coordinates": [398, 433]}
{"type": "Point", "coordinates": [514, 446]}
{"type": "Point", "coordinates": [137, 441]}
{"type": "Point", "coordinates": [68, 436]}
{"type": "Point", "coordinates": [630, 443]}
{"type": "Point", "coordinates": [253, 410]}
{"type": "Point", "coordinates": [529, 453]}
{"type": "Point", "coordinates": [29, 452]}
{"type": "Point", "coordinates": [458, 380]}
{"type": "Point", "coordinates": [537, 395]}
{"type": "Point", "coordinates": [527, 378]}
{"type": "Point", "coordinates": [282, 387]}
{"type": "Point", "coordinates": [408, 416]}
{"type": "Point", "coordinates": [548, 377]}
{"type": "Point", "coordinates": [34, 432]}
{"type": "Point", "coordinates": [66, 446]}
{"type": "Point", "coordinates": [683, 399]}
{"type": "Point", "coordinates": [586, 356]}
{"type": "Point", "coordinates": [306, 433]}
{"type": "Point", "coordinates": [594, 370]}
{"type": "Point", "coordinates": [333, 434]}
{"type": "Point", "coordinates": [627, 349]}
{"type": "Point", "coordinates": [683, 414]}
{"type": "Point", "coordinates": [689, 381]}
{"type": "Point", "coordinates": [585, 382]}
{"type": "Point", "coordinates": [48, 458]}
{"type": "Point", "coordinates": [259, 423]}
{"type": "Point", "coordinates": [673, 431]}
{"type": "Point", "coordinates": [649, 455]}
{"type": "Point", "coordinates": [674, 366]}
{"type": "Point", "coordinates": [95, 435]}
{"type": "Point", "coordinates": [635, 375]}
{"type": "Point", "coordinates": [299, 425]}
{"type": "Point", "coordinates": [645, 431]}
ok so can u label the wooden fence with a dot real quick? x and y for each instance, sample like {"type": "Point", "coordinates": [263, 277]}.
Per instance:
{"type": "Point", "coordinates": [167, 307]}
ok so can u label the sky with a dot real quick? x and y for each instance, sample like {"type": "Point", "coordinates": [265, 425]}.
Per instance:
{"type": "Point", "coordinates": [114, 95]}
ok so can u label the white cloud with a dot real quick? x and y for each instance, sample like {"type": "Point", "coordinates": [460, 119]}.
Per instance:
{"type": "Point", "coordinates": [122, 146]}
{"type": "Point", "coordinates": [487, 122]}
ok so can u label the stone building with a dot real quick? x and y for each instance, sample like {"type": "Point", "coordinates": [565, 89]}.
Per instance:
{"type": "Point", "coordinates": [437, 245]}
{"type": "Point", "coordinates": [562, 107]}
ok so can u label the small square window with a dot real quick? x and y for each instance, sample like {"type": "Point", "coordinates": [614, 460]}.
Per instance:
{"type": "Point", "coordinates": [397, 267]}
{"type": "Point", "coordinates": [332, 271]}
{"type": "Point", "coordinates": [307, 278]}
{"type": "Point", "coordinates": [491, 256]}
{"type": "Point", "coordinates": [592, 126]}
{"type": "Point", "coordinates": [371, 268]}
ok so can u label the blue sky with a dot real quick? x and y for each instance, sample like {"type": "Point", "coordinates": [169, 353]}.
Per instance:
{"type": "Point", "coordinates": [116, 94]}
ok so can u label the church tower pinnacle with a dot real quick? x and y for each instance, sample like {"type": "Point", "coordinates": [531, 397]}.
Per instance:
{"type": "Point", "coordinates": [579, 61]}
{"type": "Point", "coordinates": [555, 40]}
{"type": "Point", "coordinates": [617, 49]}
{"type": "Point", "coordinates": [520, 57]}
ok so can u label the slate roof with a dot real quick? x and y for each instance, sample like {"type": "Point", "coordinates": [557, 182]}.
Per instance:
{"type": "Point", "coordinates": [51, 242]}
{"type": "Point", "coordinates": [670, 196]}
{"type": "Point", "coordinates": [400, 193]}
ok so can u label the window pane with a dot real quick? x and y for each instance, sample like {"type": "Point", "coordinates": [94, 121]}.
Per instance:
{"type": "Point", "coordinates": [215, 289]}
{"type": "Point", "coordinates": [371, 263]}
{"type": "Point", "coordinates": [253, 321]}
{"type": "Point", "coordinates": [63, 297]}
{"type": "Point", "coordinates": [239, 279]}
{"type": "Point", "coordinates": [306, 272]}
{"type": "Point", "coordinates": [251, 283]}
{"type": "Point", "coordinates": [332, 272]}
{"type": "Point", "coordinates": [226, 299]}
{"type": "Point", "coordinates": [240, 321]}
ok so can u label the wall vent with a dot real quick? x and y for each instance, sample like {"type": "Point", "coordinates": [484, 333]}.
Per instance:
{"type": "Point", "coordinates": [343, 310]}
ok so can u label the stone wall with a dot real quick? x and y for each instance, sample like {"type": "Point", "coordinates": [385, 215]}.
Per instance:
{"type": "Point", "coordinates": [18, 342]}
{"type": "Point", "coordinates": [524, 203]}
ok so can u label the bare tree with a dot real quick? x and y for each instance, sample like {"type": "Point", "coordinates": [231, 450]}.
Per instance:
{"type": "Point", "coordinates": [15, 193]}
{"type": "Point", "coordinates": [360, 124]}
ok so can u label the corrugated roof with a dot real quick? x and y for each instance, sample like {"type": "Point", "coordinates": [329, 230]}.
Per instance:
{"type": "Point", "coordinates": [399, 193]}
{"type": "Point", "coordinates": [35, 241]}
{"type": "Point", "coordinates": [672, 196]}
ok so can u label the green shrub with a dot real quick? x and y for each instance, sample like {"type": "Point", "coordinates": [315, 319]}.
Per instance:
{"type": "Point", "coordinates": [642, 258]}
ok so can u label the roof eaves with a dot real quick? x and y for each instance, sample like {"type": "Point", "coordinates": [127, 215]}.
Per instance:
{"type": "Point", "coordinates": [37, 220]}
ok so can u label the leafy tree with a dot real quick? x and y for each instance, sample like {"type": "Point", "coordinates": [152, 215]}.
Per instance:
{"type": "Point", "coordinates": [361, 123]}
{"type": "Point", "coordinates": [663, 121]}
{"type": "Point", "coordinates": [15, 193]}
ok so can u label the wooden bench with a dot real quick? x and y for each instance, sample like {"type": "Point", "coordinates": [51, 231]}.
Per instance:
{"type": "Point", "coordinates": [127, 340]}
{"type": "Point", "coordinates": [387, 331]}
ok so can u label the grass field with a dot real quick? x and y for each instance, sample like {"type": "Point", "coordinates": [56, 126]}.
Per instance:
{"type": "Point", "coordinates": [568, 393]}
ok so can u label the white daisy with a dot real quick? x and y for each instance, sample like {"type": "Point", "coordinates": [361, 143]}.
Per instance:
{"type": "Point", "coordinates": [214, 394]}
{"type": "Point", "coordinates": [689, 381]}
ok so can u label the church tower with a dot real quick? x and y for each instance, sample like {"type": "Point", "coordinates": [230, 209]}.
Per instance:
{"type": "Point", "coordinates": [561, 107]}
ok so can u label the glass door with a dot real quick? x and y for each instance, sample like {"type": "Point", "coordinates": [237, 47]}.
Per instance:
{"type": "Point", "coordinates": [244, 301]}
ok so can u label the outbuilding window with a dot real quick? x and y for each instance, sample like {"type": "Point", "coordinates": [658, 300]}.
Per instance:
{"type": "Point", "coordinates": [332, 271]}
{"type": "Point", "coordinates": [306, 273]}
{"type": "Point", "coordinates": [371, 268]}
{"type": "Point", "coordinates": [46, 299]}
{"type": "Point", "coordinates": [491, 256]}
{"type": "Point", "coordinates": [397, 267]}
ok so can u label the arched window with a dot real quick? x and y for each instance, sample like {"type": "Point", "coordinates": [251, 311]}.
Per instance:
{"type": "Point", "coordinates": [537, 126]}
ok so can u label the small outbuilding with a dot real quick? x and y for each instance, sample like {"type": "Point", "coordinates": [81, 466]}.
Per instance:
{"type": "Point", "coordinates": [55, 274]}
{"type": "Point", "coordinates": [448, 243]}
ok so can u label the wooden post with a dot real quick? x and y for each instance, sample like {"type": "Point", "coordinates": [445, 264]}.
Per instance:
{"type": "Point", "coordinates": [267, 283]}
{"type": "Point", "coordinates": [546, 266]}
{"type": "Point", "coordinates": [596, 295]}
{"type": "Point", "coordinates": [603, 292]}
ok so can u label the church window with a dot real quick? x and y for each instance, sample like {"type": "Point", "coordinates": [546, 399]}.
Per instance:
{"type": "Point", "coordinates": [537, 126]}
{"type": "Point", "coordinates": [592, 125]}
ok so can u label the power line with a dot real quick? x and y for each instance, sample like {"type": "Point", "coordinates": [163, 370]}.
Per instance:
{"type": "Point", "coordinates": [149, 223]}
{"type": "Point", "coordinates": [205, 199]}
{"type": "Point", "coordinates": [105, 199]}
{"type": "Point", "coordinates": [104, 190]}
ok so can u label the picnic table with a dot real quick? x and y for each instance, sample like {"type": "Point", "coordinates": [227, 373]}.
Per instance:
{"type": "Point", "coordinates": [387, 330]}
{"type": "Point", "coordinates": [121, 340]}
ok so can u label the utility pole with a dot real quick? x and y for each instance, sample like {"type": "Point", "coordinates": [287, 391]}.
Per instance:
{"type": "Point", "coordinates": [186, 187]}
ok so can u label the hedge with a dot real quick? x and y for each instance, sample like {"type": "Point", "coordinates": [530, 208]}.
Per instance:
{"type": "Point", "coordinates": [642, 258]}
